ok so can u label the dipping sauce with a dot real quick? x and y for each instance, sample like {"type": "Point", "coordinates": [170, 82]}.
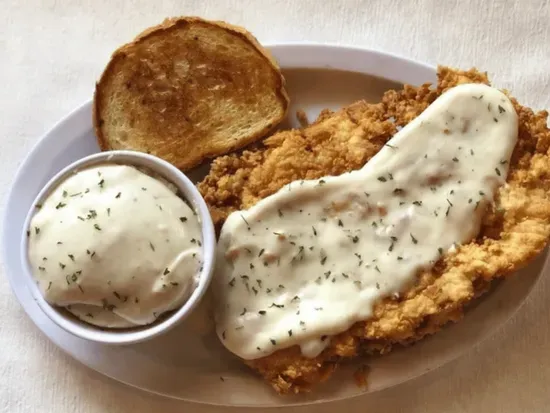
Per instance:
{"type": "Point", "coordinates": [115, 246]}
{"type": "Point", "coordinates": [309, 261]}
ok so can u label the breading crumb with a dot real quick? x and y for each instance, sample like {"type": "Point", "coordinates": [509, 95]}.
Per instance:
{"type": "Point", "coordinates": [302, 118]}
{"type": "Point", "coordinates": [361, 375]}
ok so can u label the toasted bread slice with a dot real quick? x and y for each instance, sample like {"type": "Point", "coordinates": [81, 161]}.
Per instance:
{"type": "Point", "coordinates": [187, 90]}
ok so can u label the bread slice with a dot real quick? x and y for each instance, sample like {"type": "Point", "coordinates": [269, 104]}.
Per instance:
{"type": "Point", "coordinates": [187, 90]}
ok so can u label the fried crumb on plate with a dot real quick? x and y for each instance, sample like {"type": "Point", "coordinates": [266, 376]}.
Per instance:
{"type": "Point", "coordinates": [302, 118]}
{"type": "Point", "coordinates": [361, 376]}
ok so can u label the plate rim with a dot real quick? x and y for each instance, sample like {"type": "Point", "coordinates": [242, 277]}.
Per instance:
{"type": "Point", "coordinates": [274, 48]}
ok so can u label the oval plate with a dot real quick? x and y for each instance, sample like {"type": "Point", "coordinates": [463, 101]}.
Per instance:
{"type": "Point", "coordinates": [188, 363]}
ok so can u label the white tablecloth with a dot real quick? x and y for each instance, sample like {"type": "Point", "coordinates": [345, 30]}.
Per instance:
{"type": "Point", "coordinates": [52, 51]}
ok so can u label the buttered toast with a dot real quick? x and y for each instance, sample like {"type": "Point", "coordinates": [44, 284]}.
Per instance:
{"type": "Point", "coordinates": [187, 90]}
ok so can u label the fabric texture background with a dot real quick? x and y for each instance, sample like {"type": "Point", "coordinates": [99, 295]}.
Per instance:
{"type": "Point", "coordinates": [52, 51]}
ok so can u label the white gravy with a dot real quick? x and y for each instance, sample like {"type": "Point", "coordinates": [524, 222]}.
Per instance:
{"type": "Point", "coordinates": [115, 246]}
{"type": "Point", "coordinates": [309, 261]}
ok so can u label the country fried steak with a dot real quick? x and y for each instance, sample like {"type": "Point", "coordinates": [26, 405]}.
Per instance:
{"type": "Point", "coordinates": [514, 230]}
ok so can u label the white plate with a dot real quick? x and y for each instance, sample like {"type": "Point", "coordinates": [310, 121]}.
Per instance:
{"type": "Point", "coordinates": [188, 363]}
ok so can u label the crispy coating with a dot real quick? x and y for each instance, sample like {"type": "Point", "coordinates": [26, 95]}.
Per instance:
{"type": "Point", "coordinates": [513, 232]}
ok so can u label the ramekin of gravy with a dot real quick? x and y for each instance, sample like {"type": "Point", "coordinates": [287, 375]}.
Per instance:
{"type": "Point", "coordinates": [119, 247]}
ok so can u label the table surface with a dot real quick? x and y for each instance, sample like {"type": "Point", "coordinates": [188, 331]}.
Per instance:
{"type": "Point", "coordinates": [51, 52]}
